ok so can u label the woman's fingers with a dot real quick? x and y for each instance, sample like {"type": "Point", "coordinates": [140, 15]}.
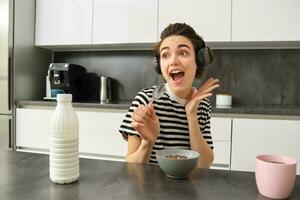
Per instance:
{"type": "Point", "coordinates": [143, 113]}
{"type": "Point", "coordinates": [193, 93]}
{"type": "Point", "coordinates": [206, 89]}
{"type": "Point", "coordinates": [151, 110]}
{"type": "Point", "coordinates": [213, 82]}
{"type": "Point", "coordinates": [207, 82]}
{"type": "Point", "coordinates": [138, 118]}
{"type": "Point", "coordinates": [141, 110]}
{"type": "Point", "coordinates": [209, 89]}
{"type": "Point", "coordinates": [136, 125]}
{"type": "Point", "coordinates": [202, 96]}
{"type": "Point", "coordinates": [210, 82]}
{"type": "Point", "coordinates": [139, 114]}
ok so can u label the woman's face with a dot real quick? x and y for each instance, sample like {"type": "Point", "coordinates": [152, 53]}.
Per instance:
{"type": "Point", "coordinates": [178, 64]}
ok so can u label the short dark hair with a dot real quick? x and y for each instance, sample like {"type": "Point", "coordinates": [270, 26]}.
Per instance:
{"type": "Point", "coordinates": [183, 29]}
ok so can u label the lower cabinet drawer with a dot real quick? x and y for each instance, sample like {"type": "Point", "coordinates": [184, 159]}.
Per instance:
{"type": "Point", "coordinates": [221, 128]}
{"type": "Point", "coordinates": [222, 155]}
{"type": "Point", "coordinates": [103, 143]}
{"type": "Point", "coordinates": [99, 135]}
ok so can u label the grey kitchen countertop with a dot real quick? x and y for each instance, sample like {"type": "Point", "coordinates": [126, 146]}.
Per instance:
{"type": "Point", "coordinates": [112, 105]}
{"type": "Point", "coordinates": [260, 109]}
{"type": "Point", "coordinates": [288, 110]}
{"type": "Point", "coordinates": [26, 176]}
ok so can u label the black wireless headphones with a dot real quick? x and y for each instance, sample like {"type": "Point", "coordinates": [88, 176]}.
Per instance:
{"type": "Point", "coordinates": [202, 58]}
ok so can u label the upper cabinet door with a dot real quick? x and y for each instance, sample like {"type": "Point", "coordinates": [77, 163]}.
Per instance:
{"type": "Point", "coordinates": [265, 20]}
{"type": "Point", "coordinates": [125, 21]}
{"type": "Point", "coordinates": [63, 22]}
{"type": "Point", "coordinates": [211, 19]}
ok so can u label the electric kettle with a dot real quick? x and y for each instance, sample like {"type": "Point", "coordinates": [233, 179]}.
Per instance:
{"type": "Point", "coordinates": [105, 89]}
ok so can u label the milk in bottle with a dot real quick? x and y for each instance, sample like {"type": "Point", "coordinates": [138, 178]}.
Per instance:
{"type": "Point", "coordinates": [64, 142]}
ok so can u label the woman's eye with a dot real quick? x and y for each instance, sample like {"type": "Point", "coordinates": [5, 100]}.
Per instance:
{"type": "Point", "coordinates": [164, 55]}
{"type": "Point", "coordinates": [183, 53]}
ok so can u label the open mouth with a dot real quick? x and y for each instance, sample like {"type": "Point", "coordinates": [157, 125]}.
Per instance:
{"type": "Point", "coordinates": [176, 75]}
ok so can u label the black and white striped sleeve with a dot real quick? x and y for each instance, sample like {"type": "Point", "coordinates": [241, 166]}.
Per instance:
{"type": "Point", "coordinates": [204, 115]}
{"type": "Point", "coordinates": [126, 129]}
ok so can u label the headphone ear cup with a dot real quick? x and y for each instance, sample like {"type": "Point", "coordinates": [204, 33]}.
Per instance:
{"type": "Point", "coordinates": [202, 57]}
{"type": "Point", "coordinates": [156, 61]}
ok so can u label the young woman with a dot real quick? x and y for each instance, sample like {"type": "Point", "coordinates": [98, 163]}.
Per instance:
{"type": "Point", "coordinates": [174, 114]}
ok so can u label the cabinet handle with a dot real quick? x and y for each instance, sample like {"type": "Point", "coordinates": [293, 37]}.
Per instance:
{"type": "Point", "coordinates": [220, 165]}
{"type": "Point", "coordinates": [9, 135]}
{"type": "Point", "coordinates": [9, 83]}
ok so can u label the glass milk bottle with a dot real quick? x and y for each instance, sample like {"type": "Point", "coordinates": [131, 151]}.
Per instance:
{"type": "Point", "coordinates": [64, 142]}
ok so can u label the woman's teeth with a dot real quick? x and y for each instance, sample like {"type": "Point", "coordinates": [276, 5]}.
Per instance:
{"type": "Point", "coordinates": [177, 74]}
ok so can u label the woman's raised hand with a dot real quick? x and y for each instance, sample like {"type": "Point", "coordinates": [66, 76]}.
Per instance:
{"type": "Point", "coordinates": [205, 90]}
{"type": "Point", "coordinates": [145, 121]}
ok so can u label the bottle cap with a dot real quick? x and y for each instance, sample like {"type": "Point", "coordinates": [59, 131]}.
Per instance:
{"type": "Point", "coordinates": [64, 97]}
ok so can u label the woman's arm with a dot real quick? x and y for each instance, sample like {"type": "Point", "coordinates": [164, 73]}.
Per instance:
{"type": "Point", "coordinates": [138, 150]}
{"type": "Point", "coordinates": [197, 141]}
{"type": "Point", "coordinates": [146, 123]}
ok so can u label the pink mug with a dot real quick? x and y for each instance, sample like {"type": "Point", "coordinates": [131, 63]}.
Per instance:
{"type": "Point", "coordinates": [275, 175]}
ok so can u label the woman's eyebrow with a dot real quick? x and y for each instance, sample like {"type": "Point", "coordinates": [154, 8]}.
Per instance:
{"type": "Point", "coordinates": [164, 48]}
{"type": "Point", "coordinates": [178, 46]}
{"type": "Point", "coordinates": [183, 45]}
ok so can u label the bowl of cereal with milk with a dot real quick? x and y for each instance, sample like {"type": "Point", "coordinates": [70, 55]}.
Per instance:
{"type": "Point", "coordinates": [177, 163]}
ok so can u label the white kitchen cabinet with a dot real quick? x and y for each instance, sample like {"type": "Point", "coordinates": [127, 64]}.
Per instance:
{"type": "Point", "coordinates": [210, 18]}
{"type": "Point", "coordinates": [98, 132]}
{"type": "Point", "coordinates": [63, 22]}
{"type": "Point", "coordinates": [125, 21]}
{"type": "Point", "coordinates": [32, 128]}
{"type": "Point", "coordinates": [221, 135]}
{"type": "Point", "coordinates": [265, 20]}
{"type": "Point", "coordinates": [251, 137]}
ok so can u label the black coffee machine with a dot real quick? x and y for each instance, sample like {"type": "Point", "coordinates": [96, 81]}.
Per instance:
{"type": "Point", "coordinates": [73, 79]}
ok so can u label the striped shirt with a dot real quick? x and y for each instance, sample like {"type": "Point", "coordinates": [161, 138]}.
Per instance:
{"type": "Point", "coordinates": [170, 110]}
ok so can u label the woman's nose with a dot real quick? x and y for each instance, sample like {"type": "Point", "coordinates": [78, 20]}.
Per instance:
{"type": "Point", "coordinates": [173, 59]}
